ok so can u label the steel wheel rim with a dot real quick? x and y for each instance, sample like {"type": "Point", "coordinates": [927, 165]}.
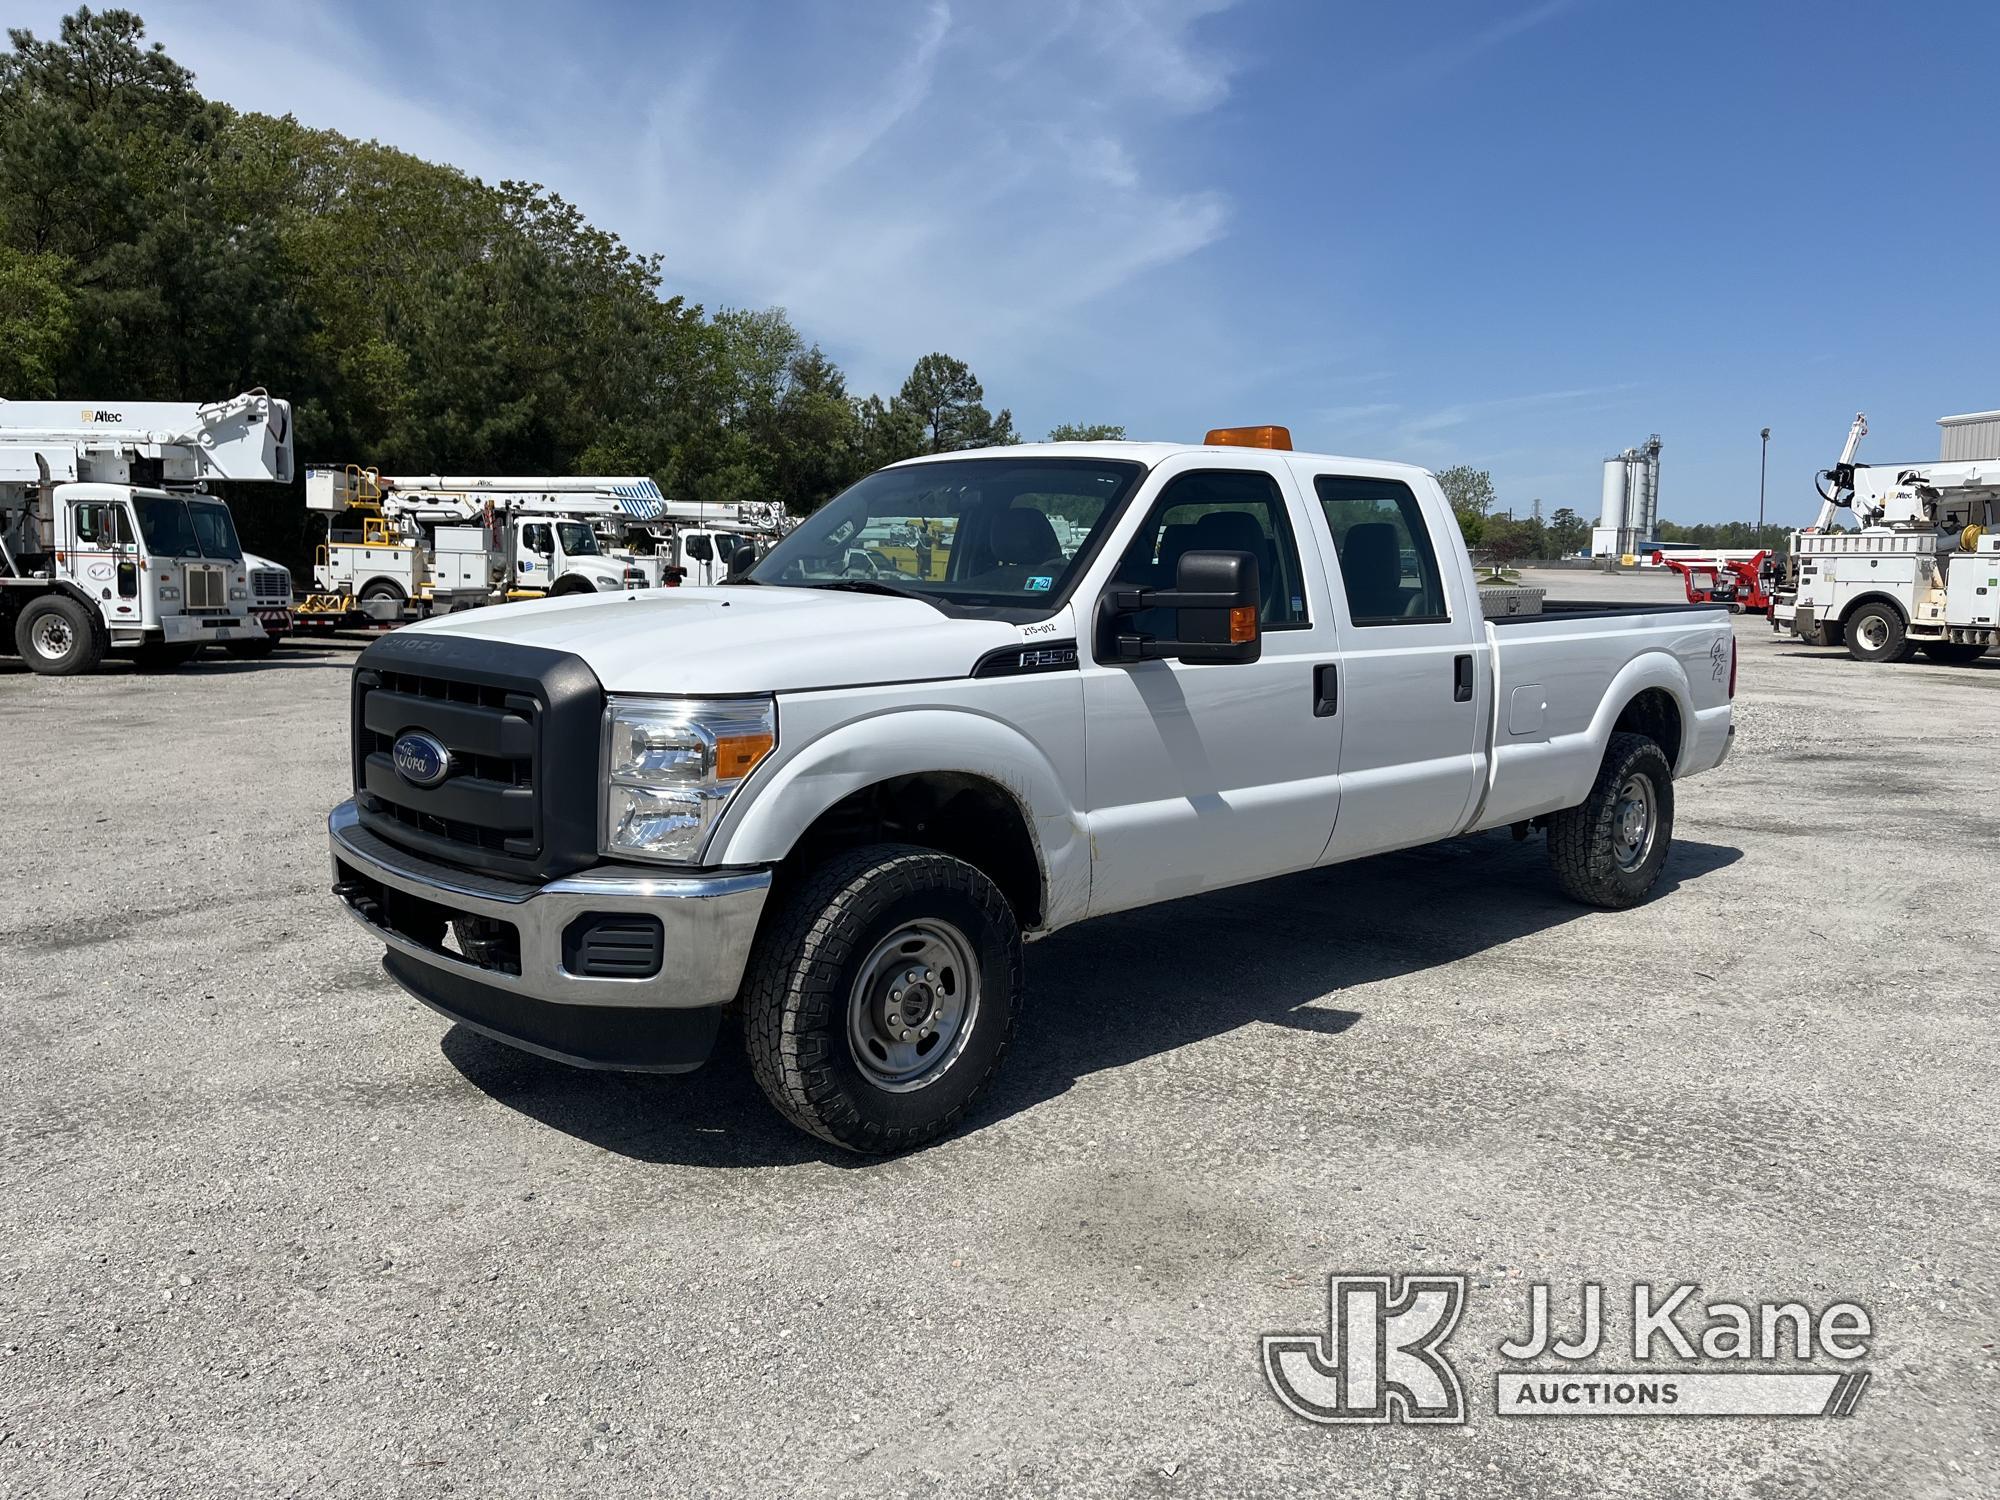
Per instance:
{"type": "Point", "coordinates": [913, 1005]}
{"type": "Point", "coordinates": [1635, 821]}
{"type": "Point", "coordinates": [52, 636]}
{"type": "Point", "coordinates": [1874, 633]}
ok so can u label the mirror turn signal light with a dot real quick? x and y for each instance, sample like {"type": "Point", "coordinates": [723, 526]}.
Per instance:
{"type": "Point", "coordinates": [1242, 624]}
{"type": "Point", "coordinates": [1249, 437]}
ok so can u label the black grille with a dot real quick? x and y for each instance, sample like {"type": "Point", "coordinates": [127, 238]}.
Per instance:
{"type": "Point", "coordinates": [522, 727]}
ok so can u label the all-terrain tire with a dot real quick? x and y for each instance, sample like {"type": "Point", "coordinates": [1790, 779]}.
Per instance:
{"type": "Point", "coordinates": [57, 637]}
{"type": "Point", "coordinates": [1587, 842]}
{"type": "Point", "coordinates": [810, 970]}
{"type": "Point", "coordinates": [1954, 653]}
{"type": "Point", "coordinates": [1875, 632]}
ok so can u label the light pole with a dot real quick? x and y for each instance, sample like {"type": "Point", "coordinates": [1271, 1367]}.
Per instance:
{"type": "Point", "coordinates": [1763, 461]}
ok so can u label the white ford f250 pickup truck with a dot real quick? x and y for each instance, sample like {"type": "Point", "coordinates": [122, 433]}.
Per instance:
{"type": "Point", "coordinates": [1114, 674]}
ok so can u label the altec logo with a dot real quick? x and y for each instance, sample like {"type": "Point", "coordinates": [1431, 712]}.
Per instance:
{"type": "Point", "coordinates": [98, 414]}
{"type": "Point", "coordinates": [1382, 1356]}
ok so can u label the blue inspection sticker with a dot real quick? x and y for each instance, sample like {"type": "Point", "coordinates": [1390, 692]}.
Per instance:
{"type": "Point", "coordinates": [1039, 584]}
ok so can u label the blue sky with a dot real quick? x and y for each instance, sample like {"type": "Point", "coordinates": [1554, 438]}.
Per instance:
{"type": "Point", "coordinates": [1521, 236]}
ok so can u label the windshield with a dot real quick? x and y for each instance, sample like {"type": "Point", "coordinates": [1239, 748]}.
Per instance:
{"type": "Point", "coordinates": [166, 525]}
{"type": "Point", "coordinates": [577, 539]}
{"type": "Point", "coordinates": [977, 531]}
{"type": "Point", "coordinates": [214, 529]}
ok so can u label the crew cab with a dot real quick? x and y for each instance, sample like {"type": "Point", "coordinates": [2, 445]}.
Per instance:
{"type": "Point", "coordinates": [831, 802]}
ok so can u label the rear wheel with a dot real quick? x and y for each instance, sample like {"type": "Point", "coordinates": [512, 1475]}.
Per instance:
{"type": "Point", "coordinates": [1608, 851]}
{"type": "Point", "coordinates": [882, 996]}
{"type": "Point", "coordinates": [58, 637]}
{"type": "Point", "coordinates": [1954, 653]}
{"type": "Point", "coordinates": [1875, 633]}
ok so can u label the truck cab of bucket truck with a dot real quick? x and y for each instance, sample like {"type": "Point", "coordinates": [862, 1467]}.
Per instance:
{"type": "Point", "coordinates": [839, 804]}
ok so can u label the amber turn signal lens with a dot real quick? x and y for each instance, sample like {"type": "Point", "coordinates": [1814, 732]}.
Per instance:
{"type": "Point", "coordinates": [1250, 437]}
{"type": "Point", "coordinates": [736, 755]}
{"type": "Point", "coordinates": [1242, 624]}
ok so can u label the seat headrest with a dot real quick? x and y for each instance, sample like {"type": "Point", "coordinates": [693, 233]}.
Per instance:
{"type": "Point", "coordinates": [1021, 536]}
{"type": "Point", "coordinates": [1233, 531]}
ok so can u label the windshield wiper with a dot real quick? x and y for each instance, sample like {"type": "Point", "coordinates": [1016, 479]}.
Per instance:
{"type": "Point", "coordinates": [871, 586]}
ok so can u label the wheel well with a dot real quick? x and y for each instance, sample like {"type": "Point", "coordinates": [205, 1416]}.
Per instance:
{"type": "Point", "coordinates": [953, 812]}
{"type": "Point", "coordinates": [1654, 714]}
{"type": "Point", "coordinates": [1889, 599]}
{"type": "Point", "coordinates": [571, 583]}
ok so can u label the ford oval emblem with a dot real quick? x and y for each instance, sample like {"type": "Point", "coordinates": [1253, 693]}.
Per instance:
{"type": "Point", "coordinates": [420, 759]}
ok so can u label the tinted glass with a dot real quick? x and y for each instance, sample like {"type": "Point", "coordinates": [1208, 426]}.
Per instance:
{"type": "Point", "coordinates": [214, 529]}
{"type": "Point", "coordinates": [166, 526]}
{"type": "Point", "coordinates": [1387, 564]}
{"type": "Point", "coordinates": [1218, 511]}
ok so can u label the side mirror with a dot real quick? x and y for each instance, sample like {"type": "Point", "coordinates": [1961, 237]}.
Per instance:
{"type": "Point", "coordinates": [742, 558]}
{"type": "Point", "coordinates": [1216, 599]}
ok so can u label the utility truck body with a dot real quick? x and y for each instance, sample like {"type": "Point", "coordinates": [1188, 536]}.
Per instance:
{"type": "Point", "coordinates": [839, 799]}
{"type": "Point", "coordinates": [1921, 572]}
{"type": "Point", "coordinates": [109, 542]}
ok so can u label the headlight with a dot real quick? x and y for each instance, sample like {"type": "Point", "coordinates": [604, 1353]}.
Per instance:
{"type": "Point", "coordinates": [169, 592]}
{"type": "Point", "coordinates": [671, 766]}
{"type": "Point", "coordinates": [237, 591]}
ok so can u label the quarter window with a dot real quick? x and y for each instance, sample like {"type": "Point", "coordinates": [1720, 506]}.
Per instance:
{"type": "Point", "coordinates": [1386, 559]}
{"type": "Point", "coordinates": [1216, 510]}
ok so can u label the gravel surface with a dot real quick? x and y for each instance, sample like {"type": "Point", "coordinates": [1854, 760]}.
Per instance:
{"type": "Point", "coordinates": [267, 1226]}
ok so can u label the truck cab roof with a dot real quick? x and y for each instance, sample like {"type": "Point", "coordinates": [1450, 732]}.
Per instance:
{"type": "Point", "coordinates": [1151, 454]}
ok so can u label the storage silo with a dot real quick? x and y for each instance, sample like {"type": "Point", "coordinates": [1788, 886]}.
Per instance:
{"type": "Point", "coordinates": [1611, 510]}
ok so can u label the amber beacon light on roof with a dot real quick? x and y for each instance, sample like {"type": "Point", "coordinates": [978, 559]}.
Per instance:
{"type": "Point", "coordinates": [1249, 437]}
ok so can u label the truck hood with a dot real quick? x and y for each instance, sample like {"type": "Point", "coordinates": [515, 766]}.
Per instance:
{"type": "Point", "coordinates": [747, 639]}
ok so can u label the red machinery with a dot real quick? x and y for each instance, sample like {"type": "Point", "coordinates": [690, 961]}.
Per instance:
{"type": "Point", "coordinates": [1742, 583]}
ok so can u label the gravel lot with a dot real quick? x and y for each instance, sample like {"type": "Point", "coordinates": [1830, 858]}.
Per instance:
{"type": "Point", "coordinates": [267, 1226]}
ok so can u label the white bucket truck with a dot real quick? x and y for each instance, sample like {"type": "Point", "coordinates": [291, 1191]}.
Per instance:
{"type": "Point", "coordinates": [109, 542]}
{"type": "Point", "coordinates": [1921, 572]}
{"type": "Point", "coordinates": [434, 543]}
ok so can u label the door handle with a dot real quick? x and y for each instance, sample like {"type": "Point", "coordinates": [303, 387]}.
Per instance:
{"type": "Point", "coordinates": [1461, 679]}
{"type": "Point", "coordinates": [1326, 690]}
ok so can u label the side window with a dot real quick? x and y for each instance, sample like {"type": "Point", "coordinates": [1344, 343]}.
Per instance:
{"type": "Point", "coordinates": [537, 538]}
{"type": "Point", "coordinates": [1386, 558]}
{"type": "Point", "coordinates": [90, 524]}
{"type": "Point", "coordinates": [1217, 510]}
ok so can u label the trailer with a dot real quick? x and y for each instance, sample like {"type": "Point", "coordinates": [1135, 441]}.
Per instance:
{"type": "Point", "coordinates": [110, 543]}
{"type": "Point", "coordinates": [1741, 580]}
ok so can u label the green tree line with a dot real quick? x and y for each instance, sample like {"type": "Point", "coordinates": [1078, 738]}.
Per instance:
{"type": "Point", "coordinates": [158, 245]}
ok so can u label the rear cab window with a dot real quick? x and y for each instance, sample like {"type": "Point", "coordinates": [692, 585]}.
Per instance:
{"type": "Point", "coordinates": [1388, 565]}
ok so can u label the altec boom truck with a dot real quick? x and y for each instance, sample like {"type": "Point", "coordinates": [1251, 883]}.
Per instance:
{"type": "Point", "coordinates": [1922, 572]}
{"type": "Point", "coordinates": [426, 543]}
{"type": "Point", "coordinates": [109, 542]}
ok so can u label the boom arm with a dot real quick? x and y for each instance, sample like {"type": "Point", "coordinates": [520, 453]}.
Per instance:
{"type": "Point", "coordinates": [247, 437]}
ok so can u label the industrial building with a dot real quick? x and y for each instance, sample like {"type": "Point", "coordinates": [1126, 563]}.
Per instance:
{"type": "Point", "coordinates": [1629, 512]}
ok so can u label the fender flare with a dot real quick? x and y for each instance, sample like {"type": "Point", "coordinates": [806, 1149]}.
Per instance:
{"type": "Point", "coordinates": [1876, 597]}
{"type": "Point", "coordinates": [781, 803]}
{"type": "Point", "coordinates": [1654, 668]}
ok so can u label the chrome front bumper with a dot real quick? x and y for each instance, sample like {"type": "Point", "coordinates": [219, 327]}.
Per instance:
{"type": "Point", "coordinates": [708, 922]}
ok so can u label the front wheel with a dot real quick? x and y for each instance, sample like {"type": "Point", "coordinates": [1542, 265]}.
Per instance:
{"type": "Point", "coordinates": [1608, 851]}
{"type": "Point", "coordinates": [1875, 633]}
{"type": "Point", "coordinates": [58, 637]}
{"type": "Point", "coordinates": [881, 997]}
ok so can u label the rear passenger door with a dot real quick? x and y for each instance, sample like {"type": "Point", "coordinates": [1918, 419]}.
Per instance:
{"type": "Point", "coordinates": [1209, 775]}
{"type": "Point", "coordinates": [1411, 671]}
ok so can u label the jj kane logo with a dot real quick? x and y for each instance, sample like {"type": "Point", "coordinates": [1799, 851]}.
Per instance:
{"type": "Point", "coordinates": [1382, 1356]}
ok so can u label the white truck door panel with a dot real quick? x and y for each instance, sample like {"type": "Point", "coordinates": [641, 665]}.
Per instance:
{"type": "Point", "coordinates": [1210, 775]}
{"type": "Point", "coordinates": [1413, 666]}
